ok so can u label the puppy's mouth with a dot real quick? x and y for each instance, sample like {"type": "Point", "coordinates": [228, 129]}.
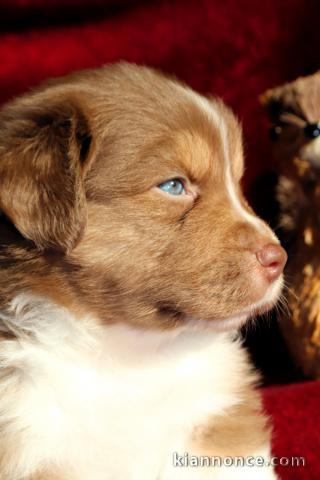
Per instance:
{"type": "Point", "coordinates": [235, 321]}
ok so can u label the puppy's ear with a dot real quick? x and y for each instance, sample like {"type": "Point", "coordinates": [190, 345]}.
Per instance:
{"type": "Point", "coordinates": [44, 150]}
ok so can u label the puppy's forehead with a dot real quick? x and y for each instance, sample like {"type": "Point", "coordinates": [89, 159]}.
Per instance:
{"type": "Point", "coordinates": [163, 127]}
{"type": "Point", "coordinates": [211, 141]}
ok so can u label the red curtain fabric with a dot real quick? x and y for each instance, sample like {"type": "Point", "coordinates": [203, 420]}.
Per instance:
{"type": "Point", "coordinates": [296, 419]}
{"type": "Point", "coordinates": [234, 48]}
{"type": "Point", "coordinates": [20, 14]}
{"type": "Point", "coordinates": [15, 8]}
{"type": "Point", "coordinates": [56, 4]}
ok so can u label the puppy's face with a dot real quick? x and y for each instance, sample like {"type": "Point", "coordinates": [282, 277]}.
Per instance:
{"type": "Point", "coordinates": [138, 185]}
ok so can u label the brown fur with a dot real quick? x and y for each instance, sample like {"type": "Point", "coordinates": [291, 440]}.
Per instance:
{"type": "Point", "coordinates": [298, 194]}
{"type": "Point", "coordinates": [292, 106]}
{"type": "Point", "coordinates": [242, 429]}
{"type": "Point", "coordinates": [84, 224]}
{"type": "Point", "coordinates": [139, 139]}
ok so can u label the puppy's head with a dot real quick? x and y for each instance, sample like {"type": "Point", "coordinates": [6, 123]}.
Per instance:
{"type": "Point", "coordinates": [126, 184]}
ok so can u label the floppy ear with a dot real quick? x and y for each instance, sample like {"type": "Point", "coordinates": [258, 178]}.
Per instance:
{"type": "Point", "coordinates": [44, 145]}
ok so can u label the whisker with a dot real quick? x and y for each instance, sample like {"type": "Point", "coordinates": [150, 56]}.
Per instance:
{"type": "Point", "coordinates": [292, 293]}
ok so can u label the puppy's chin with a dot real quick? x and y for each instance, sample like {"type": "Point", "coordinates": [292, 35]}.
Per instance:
{"type": "Point", "coordinates": [236, 321]}
{"type": "Point", "coordinates": [218, 324]}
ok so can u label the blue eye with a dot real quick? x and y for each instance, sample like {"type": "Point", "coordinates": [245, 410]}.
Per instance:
{"type": "Point", "coordinates": [173, 187]}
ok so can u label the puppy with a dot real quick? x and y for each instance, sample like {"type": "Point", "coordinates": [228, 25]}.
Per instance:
{"type": "Point", "coordinates": [128, 260]}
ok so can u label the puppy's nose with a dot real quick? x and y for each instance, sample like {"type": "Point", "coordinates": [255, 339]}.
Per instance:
{"type": "Point", "coordinates": [273, 258]}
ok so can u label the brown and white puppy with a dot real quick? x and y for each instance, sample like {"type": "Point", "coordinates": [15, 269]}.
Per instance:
{"type": "Point", "coordinates": [128, 259]}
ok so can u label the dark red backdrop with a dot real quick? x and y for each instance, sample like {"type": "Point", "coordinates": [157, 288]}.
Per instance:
{"type": "Point", "coordinates": [233, 48]}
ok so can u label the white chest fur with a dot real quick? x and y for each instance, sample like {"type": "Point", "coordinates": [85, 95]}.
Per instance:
{"type": "Point", "coordinates": [106, 402]}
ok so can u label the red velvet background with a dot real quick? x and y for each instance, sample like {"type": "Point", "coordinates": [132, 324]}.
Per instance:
{"type": "Point", "coordinates": [232, 48]}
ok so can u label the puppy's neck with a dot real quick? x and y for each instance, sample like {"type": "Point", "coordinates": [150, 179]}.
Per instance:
{"type": "Point", "coordinates": [36, 320]}
{"type": "Point", "coordinates": [70, 369]}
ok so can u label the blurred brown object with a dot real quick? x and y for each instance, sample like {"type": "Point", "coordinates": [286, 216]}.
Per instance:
{"type": "Point", "coordinates": [294, 111]}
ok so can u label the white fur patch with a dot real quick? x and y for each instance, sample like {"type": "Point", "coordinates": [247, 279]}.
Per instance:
{"type": "Point", "coordinates": [108, 402]}
{"type": "Point", "coordinates": [218, 121]}
{"type": "Point", "coordinates": [257, 223]}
